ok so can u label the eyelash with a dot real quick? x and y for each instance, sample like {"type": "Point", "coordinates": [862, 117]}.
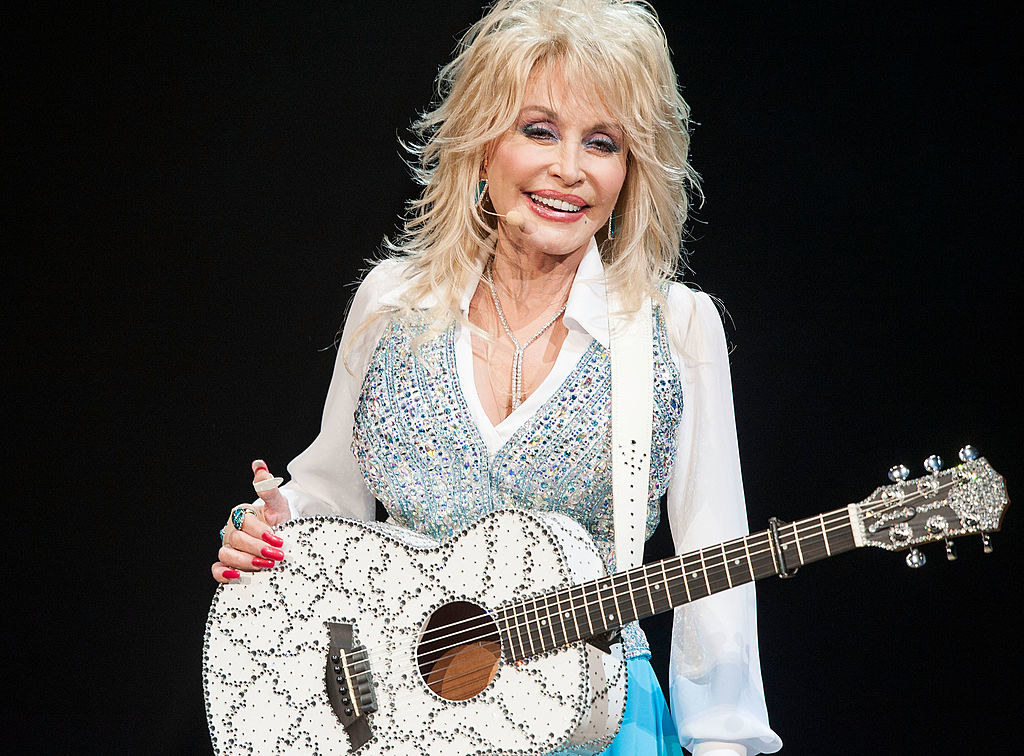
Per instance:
{"type": "Point", "coordinates": [537, 131]}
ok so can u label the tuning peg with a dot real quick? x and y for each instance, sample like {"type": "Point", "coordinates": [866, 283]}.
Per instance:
{"type": "Point", "coordinates": [898, 473]}
{"type": "Point", "coordinates": [968, 453]}
{"type": "Point", "coordinates": [915, 558]}
{"type": "Point", "coordinates": [933, 464]}
{"type": "Point", "coordinates": [950, 550]}
{"type": "Point", "coordinates": [986, 543]}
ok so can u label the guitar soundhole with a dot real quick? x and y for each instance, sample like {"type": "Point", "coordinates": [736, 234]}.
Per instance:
{"type": "Point", "coordinates": [458, 651]}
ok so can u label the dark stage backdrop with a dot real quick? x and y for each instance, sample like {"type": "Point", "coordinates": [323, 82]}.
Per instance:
{"type": "Point", "coordinates": [196, 187]}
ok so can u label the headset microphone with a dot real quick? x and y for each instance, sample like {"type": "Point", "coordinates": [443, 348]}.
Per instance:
{"type": "Point", "coordinates": [513, 218]}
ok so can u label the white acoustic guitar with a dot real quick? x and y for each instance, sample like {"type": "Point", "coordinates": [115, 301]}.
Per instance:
{"type": "Point", "coordinates": [373, 639]}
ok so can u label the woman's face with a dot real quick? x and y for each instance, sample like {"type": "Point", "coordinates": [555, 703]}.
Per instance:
{"type": "Point", "coordinates": [561, 166]}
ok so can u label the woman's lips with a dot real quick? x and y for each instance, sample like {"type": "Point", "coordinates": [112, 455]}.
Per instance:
{"type": "Point", "coordinates": [556, 206]}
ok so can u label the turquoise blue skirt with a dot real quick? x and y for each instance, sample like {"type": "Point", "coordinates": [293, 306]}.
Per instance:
{"type": "Point", "coordinates": [647, 727]}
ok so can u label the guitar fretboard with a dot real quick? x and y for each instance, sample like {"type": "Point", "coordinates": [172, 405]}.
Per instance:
{"type": "Point", "coordinates": [600, 606]}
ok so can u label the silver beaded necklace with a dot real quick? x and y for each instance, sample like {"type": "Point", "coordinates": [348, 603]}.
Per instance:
{"type": "Point", "coordinates": [517, 355]}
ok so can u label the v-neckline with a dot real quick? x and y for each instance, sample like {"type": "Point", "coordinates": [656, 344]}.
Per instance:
{"type": "Point", "coordinates": [489, 433]}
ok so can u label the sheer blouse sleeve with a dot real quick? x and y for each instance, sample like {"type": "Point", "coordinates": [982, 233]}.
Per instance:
{"type": "Point", "coordinates": [715, 673]}
{"type": "Point", "coordinates": [325, 478]}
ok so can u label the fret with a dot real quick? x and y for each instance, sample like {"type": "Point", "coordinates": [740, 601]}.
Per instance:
{"type": "Point", "coordinates": [508, 643]}
{"type": "Point", "coordinates": [650, 597]}
{"type": "Point", "coordinates": [629, 592]}
{"type": "Point", "coordinates": [734, 557]}
{"type": "Point", "coordinates": [518, 639]}
{"type": "Point", "coordinates": [553, 621]}
{"type": "Point", "coordinates": [704, 571]}
{"type": "Point", "coordinates": [609, 614]}
{"type": "Point", "coordinates": [668, 592]}
{"type": "Point", "coordinates": [824, 534]}
{"type": "Point", "coordinates": [813, 541]}
{"type": "Point", "coordinates": [725, 562]}
{"type": "Point", "coordinates": [504, 614]}
{"type": "Point", "coordinates": [664, 588]}
{"type": "Point", "coordinates": [623, 598]}
{"type": "Point", "coordinates": [546, 624]}
{"type": "Point", "coordinates": [692, 581]}
{"type": "Point", "coordinates": [840, 530]}
{"type": "Point", "coordinates": [771, 550]}
{"type": "Point", "coordinates": [592, 608]}
{"type": "Point", "coordinates": [560, 613]}
{"type": "Point", "coordinates": [796, 539]}
{"type": "Point", "coordinates": [615, 602]}
{"type": "Point", "coordinates": [530, 622]}
{"type": "Point", "coordinates": [750, 564]}
{"type": "Point", "coordinates": [716, 571]}
{"type": "Point", "coordinates": [585, 605]}
{"type": "Point", "coordinates": [763, 555]}
{"type": "Point", "coordinates": [572, 611]}
{"type": "Point", "coordinates": [680, 565]}
{"type": "Point", "coordinates": [523, 632]}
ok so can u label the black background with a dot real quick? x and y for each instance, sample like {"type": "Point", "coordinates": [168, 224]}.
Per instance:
{"type": "Point", "coordinates": [193, 188]}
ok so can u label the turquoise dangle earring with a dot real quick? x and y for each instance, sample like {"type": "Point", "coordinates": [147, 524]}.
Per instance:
{"type": "Point", "coordinates": [611, 225]}
{"type": "Point", "coordinates": [481, 186]}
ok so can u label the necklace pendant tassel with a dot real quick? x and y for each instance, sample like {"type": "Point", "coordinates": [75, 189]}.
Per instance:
{"type": "Point", "coordinates": [519, 349]}
{"type": "Point", "coordinates": [517, 378]}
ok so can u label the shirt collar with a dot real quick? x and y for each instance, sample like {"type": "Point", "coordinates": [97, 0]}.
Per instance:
{"type": "Point", "coordinates": [586, 309]}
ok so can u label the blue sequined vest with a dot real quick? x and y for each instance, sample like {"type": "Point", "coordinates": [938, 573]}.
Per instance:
{"type": "Point", "coordinates": [423, 457]}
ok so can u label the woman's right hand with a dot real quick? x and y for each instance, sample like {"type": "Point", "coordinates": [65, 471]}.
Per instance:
{"type": "Point", "coordinates": [255, 546]}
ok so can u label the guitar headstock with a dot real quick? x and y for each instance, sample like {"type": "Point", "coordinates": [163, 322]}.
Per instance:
{"type": "Point", "coordinates": [942, 505]}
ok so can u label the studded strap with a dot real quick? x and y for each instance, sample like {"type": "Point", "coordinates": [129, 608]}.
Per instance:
{"type": "Point", "coordinates": [632, 362]}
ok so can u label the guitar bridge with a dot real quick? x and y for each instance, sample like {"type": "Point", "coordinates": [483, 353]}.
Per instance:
{"type": "Point", "coordinates": [349, 685]}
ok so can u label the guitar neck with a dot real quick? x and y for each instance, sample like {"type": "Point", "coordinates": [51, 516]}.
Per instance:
{"type": "Point", "coordinates": [601, 606]}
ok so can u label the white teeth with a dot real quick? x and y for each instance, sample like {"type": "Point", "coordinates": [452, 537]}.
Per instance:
{"type": "Point", "coordinates": [555, 204]}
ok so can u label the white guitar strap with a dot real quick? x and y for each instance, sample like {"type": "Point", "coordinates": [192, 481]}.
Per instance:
{"type": "Point", "coordinates": [632, 359]}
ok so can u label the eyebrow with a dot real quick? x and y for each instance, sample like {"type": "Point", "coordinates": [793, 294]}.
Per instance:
{"type": "Point", "coordinates": [554, 116]}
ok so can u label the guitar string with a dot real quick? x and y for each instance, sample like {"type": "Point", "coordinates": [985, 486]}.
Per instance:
{"type": "Point", "coordinates": [520, 610]}
{"type": "Point", "coordinates": [462, 675]}
{"type": "Point", "coordinates": [813, 524]}
{"type": "Point", "coordinates": [590, 591]}
{"type": "Point", "coordinates": [474, 671]}
{"type": "Point", "coordinates": [811, 551]}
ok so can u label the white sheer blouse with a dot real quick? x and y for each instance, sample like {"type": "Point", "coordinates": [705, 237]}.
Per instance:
{"type": "Point", "coordinates": [716, 692]}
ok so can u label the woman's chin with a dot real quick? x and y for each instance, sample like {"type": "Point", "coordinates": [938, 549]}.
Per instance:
{"type": "Point", "coordinates": [544, 241]}
{"type": "Point", "coordinates": [554, 238]}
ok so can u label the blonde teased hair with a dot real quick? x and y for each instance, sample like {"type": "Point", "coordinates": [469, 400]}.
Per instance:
{"type": "Point", "coordinates": [618, 48]}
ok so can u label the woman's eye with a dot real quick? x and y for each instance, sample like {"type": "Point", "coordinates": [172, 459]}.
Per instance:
{"type": "Point", "coordinates": [603, 144]}
{"type": "Point", "coordinates": [538, 131]}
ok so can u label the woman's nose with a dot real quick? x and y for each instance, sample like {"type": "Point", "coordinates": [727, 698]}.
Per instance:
{"type": "Point", "coordinates": [566, 165]}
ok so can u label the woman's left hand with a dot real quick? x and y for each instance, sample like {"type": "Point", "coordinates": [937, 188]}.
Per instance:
{"type": "Point", "coordinates": [253, 545]}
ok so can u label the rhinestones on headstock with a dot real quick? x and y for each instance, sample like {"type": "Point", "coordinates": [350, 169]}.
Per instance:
{"type": "Point", "coordinates": [938, 506]}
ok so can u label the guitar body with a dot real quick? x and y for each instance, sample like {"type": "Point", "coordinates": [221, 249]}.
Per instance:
{"type": "Point", "coordinates": [268, 640]}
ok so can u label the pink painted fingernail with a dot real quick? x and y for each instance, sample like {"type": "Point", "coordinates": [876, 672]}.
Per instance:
{"type": "Point", "coordinates": [231, 574]}
{"type": "Point", "coordinates": [272, 539]}
{"type": "Point", "coordinates": [261, 562]}
{"type": "Point", "coordinates": [271, 553]}
{"type": "Point", "coordinates": [259, 464]}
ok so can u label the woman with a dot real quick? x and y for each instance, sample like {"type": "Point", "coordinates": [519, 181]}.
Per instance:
{"type": "Point", "coordinates": [555, 174]}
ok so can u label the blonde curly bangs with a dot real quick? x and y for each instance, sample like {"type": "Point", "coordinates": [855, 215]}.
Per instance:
{"type": "Point", "coordinates": [615, 55]}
